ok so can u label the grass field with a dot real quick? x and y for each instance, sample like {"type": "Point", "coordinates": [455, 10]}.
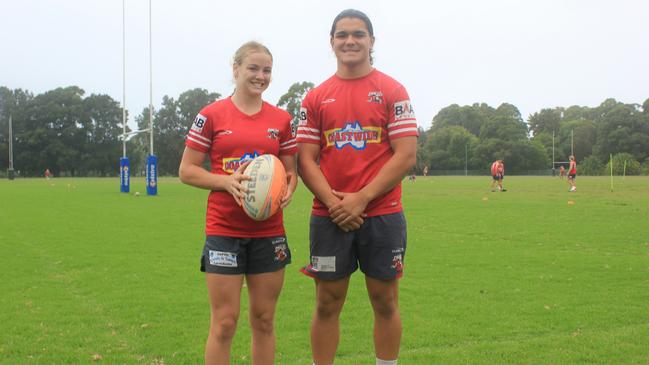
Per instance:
{"type": "Point", "coordinates": [90, 275]}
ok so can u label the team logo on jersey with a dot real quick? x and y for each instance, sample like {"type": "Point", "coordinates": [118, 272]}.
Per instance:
{"type": "Point", "coordinates": [224, 132]}
{"type": "Point", "coordinates": [231, 164]}
{"type": "Point", "coordinates": [199, 122]}
{"type": "Point", "coordinates": [354, 135]}
{"type": "Point", "coordinates": [403, 110]}
{"type": "Point", "coordinates": [327, 101]}
{"type": "Point", "coordinates": [273, 133]}
{"type": "Point", "coordinates": [303, 117]}
{"type": "Point", "coordinates": [375, 97]}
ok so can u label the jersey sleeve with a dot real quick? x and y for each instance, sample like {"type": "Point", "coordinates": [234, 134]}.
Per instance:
{"type": "Point", "coordinates": [287, 142]}
{"type": "Point", "coordinates": [199, 137]}
{"type": "Point", "coordinates": [402, 121]}
{"type": "Point", "coordinates": [308, 129]}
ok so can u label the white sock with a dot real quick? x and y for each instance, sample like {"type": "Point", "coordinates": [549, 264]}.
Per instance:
{"type": "Point", "coordinates": [386, 362]}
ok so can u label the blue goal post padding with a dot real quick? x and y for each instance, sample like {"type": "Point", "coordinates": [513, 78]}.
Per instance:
{"type": "Point", "coordinates": [152, 175]}
{"type": "Point", "coordinates": [124, 175]}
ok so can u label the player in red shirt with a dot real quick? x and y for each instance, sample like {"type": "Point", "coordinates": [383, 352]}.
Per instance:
{"type": "Point", "coordinates": [230, 132]}
{"type": "Point", "coordinates": [357, 139]}
{"type": "Point", "coordinates": [572, 174]}
{"type": "Point", "coordinates": [497, 175]}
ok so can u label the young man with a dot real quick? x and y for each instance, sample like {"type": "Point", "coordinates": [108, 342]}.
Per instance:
{"type": "Point", "coordinates": [357, 139]}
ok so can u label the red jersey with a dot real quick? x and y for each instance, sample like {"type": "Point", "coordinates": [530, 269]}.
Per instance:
{"type": "Point", "coordinates": [494, 169]}
{"type": "Point", "coordinates": [231, 137]}
{"type": "Point", "coordinates": [353, 121]}
{"type": "Point", "coordinates": [573, 168]}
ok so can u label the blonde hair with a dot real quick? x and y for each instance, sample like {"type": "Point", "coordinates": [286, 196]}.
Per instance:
{"type": "Point", "coordinates": [247, 48]}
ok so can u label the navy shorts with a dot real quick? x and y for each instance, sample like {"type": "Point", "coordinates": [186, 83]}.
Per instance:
{"type": "Point", "coordinates": [497, 177]}
{"type": "Point", "coordinates": [572, 176]}
{"type": "Point", "coordinates": [378, 248]}
{"type": "Point", "coordinates": [240, 255]}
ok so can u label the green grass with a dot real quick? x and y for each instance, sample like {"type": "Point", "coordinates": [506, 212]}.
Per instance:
{"type": "Point", "coordinates": [491, 278]}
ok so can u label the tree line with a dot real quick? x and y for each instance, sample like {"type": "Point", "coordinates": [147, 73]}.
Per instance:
{"type": "Point", "coordinates": [472, 136]}
{"type": "Point", "coordinates": [74, 134]}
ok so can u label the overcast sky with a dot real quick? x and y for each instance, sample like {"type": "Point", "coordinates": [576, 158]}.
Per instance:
{"type": "Point", "coordinates": [533, 54]}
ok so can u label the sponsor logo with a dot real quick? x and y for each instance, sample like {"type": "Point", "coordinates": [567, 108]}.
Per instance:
{"type": "Point", "coordinates": [303, 117]}
{"type": "Point", "coordinates": [278, 240]}
{"type": "Point", "coordinates": [323, 263]}
{"type": "Point", "coordinates": [328, 101]}
{"type": "Point", "coordinates": [375, 97]}
{"type": "Point", "coordinates": [152, 175]}
{"type": "Point", "coordinates": [294, 124]}
{"type": "Point", "coordinates": [225, 259]}
{"type": "Point", "coordinates": [273, 133]}
{"type": "Point", "coordinates": [125, 176]}
{"type": "Point", "coordinates": [224, 132]}
{"type": "Point", "coordinates": [403, 110]}
{"type": "Point", "coordinates": [199, 122]}
{"type": "Point", "coordinates": [354, 135]}
{"type": "Point", "coordinates": [231, 164]}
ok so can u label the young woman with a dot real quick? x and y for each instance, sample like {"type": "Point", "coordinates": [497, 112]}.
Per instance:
{"type": "Point", "coordinates": [357, 140]}
{"type": "Point", "coordinates": [230, 132]}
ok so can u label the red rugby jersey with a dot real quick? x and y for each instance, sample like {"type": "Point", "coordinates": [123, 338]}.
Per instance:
{"type": "Point", "coordinates": [231, 137]}
{"type": "Point", "coordinates": [353, 121]}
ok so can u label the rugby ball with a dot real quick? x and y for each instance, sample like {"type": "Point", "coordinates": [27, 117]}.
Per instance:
{"type": "Point", "coordinates": [266, 187]}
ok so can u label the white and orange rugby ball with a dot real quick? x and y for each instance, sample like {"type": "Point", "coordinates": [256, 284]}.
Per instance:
{"type": "Point", "coordinates": [266, 187]}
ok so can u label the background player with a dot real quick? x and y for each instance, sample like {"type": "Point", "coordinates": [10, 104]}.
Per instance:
{"type": "Point", "coordinates": [572, 174]}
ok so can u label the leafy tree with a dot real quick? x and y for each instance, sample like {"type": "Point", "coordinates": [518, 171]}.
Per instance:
{"type": "Point", "coordinates": [171, 123]}
{"type": "Point", "coordinates": [644, 168]}
{"type": "Point", "coordinates": [468, 117]}
{"type": "Point", "coordinates": [53, 132]}
{"type": "Point", "coordinates": [622, 128]}
{"type": "Point", "coordinates": [518, 155]}
{"type": "Point", "coordinates": [547, 120]}
{"type": "Point", "coordinates": [584, 135]}
{"type": "Point", "coordinates": [591, 166]}
{"type": "Point", "coordinates": [446, 148]}
{"type": "Point", "coordinates": [292, 100]}
{"type": "Point", "coordinates": [622, 160]}
{"type": "Point", "coordinates": [102, 144]}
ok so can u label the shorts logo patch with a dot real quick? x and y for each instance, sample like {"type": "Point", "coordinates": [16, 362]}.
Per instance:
{"type": "Point", "coordinates": [280, 252]}
{"type": "Point", "coordinates": [397, 263]}
{"type": "Point", "coordinates": [225, 259]}
{"type": "Point", "coordinates": [323, 263]}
